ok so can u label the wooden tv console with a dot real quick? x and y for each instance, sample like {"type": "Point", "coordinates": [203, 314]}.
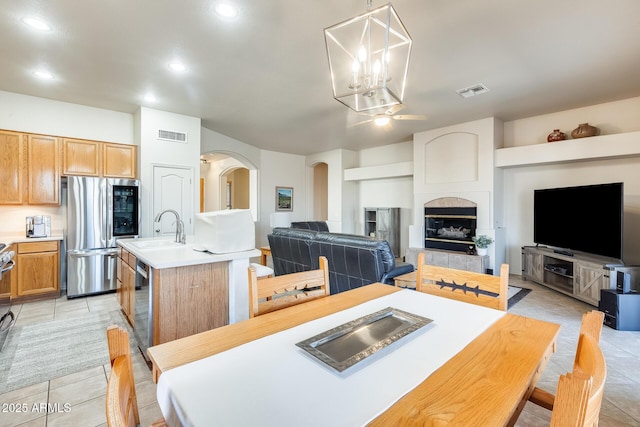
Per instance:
{"type": "Point", "coordinates": [580, 276]}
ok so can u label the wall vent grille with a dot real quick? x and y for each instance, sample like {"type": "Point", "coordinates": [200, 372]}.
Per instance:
{"type": "Point", "coordinates": [169, 135]}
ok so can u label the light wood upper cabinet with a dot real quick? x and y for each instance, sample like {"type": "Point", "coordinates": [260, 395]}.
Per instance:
{"type": "Point", "coordinates": [81, 157]}
{"type": "Point", "coordinates": [119, 160]}
{"type": "Point", "coordinates": [43, 170]}
{"type": "Point", "coordinates": [95, 158]}
{"type": "Point", "coordinates": [11, 168]}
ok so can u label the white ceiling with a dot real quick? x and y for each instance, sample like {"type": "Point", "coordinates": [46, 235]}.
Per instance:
{"type": "Point", "coordinates": [263, 77]}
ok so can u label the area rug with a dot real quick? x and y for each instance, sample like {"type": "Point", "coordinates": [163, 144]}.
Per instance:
{"type": "Point", "coordinates": [40, 352]}
{"type": "Point", "coordinates": [515, 294]}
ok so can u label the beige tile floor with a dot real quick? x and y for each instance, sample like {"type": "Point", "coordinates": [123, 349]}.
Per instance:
{"type": "Point", "coordinates": [85, 391]}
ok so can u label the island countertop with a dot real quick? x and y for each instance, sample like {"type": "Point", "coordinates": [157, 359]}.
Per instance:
{"type": "Point", "coordinates": [163, 252]}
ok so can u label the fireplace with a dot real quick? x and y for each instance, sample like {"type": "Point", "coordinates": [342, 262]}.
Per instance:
{"type": "Point", "coordinates": [449, 227]}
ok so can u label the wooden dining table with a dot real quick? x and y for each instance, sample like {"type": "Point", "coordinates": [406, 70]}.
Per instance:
{"type": "Point", "coordinates": [486, 383]}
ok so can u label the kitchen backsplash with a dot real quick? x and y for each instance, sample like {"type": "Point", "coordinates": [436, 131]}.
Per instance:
{"type": "Point", "coordinates": [12, 218]}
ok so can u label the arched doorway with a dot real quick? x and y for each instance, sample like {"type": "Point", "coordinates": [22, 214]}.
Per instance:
{"type": "Point", "coordinates": [236, 189]}
{"type": "Point", "coordinates": [320, 191]}
{"type": "Point", "coordinates": [227, 182]}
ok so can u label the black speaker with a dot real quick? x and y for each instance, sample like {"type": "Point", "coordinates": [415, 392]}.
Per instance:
{"type": "Point", "coordinates": [623, 282]}
{"type": "Point", "coordinates": [621, 311]}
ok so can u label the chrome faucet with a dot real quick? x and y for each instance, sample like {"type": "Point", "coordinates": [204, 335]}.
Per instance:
{"type": "Point", "coordinates": [180, 236]}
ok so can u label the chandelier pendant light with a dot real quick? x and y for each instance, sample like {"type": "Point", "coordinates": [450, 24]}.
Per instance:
{"type": "Point", "coordinates": [369, 58]}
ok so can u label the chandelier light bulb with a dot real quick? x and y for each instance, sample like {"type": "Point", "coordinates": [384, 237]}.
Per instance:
{"type": "Point", "coordinates": [376, 71]}
{"type": "Point", "coordinates": [362, 54]}
{"type": "Point", "coordinates": [355, 67]}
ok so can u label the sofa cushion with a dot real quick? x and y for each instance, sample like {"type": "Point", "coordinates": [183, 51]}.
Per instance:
{"type": "Point", "coordinates": [291, 250]}
{"type": "Point", "coordinates": [354, 260]}
{"type": "Point", "coordinates": [311, 225]}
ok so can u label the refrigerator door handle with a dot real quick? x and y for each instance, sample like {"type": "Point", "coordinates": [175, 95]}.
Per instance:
{"type": "Point", "coordinates": [78, 254]}
{"type": "Point", "coordinates": [111, 260]}
{"type": "Point", "coordinates": [108, 211]}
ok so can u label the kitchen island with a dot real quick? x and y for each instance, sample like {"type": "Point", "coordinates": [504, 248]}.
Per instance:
{"type": "Point", "coordinates": [186, 290]}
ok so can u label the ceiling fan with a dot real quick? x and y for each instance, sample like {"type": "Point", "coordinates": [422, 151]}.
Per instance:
{"type": "Point", "coordinates": [385, 118]}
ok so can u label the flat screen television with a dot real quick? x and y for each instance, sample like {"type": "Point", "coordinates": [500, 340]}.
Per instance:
{"type": "Point", "coordinates": [587, 218]}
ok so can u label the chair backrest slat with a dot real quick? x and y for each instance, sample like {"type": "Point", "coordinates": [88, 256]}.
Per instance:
{"type": "Point", "coordinates": [476, 288]}
{"type": "Point", "coordinates": [590, 362]}
{"type": "Point", "coordinates": [570, 405]}
{"type": "Point", "coordinates": [274, 293]}
{"type": "Point", "coordinates": [122, 403]}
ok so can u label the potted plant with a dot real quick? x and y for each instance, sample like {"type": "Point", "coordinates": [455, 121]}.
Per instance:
{"type": "Point", "coordinates": [482, 243]}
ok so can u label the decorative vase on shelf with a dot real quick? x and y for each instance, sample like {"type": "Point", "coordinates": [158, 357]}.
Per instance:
{"type": "Point", "coordinates": [481, 251]}
{"type": "Point", "coordinates": [556, 135]}
{"type": "Point", "coordinates": [584, 130]}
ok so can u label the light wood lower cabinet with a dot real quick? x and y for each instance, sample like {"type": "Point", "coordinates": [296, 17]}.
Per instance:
{"type": "Point", "coordinates": [188, 300]}
{"type": "Point", "coordinates": [126, 284]}
{"type": "Point", "coordinates": [580, 276]}
{"type": "Point", "coordinates": [38, 269]}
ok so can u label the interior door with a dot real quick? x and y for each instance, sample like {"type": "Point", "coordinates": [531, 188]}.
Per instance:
{"type": "Point", "coordinates": [172, 189]}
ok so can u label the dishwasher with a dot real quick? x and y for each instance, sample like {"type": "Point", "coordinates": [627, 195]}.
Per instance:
{"type": "Point", "coordinates": [143, 326]}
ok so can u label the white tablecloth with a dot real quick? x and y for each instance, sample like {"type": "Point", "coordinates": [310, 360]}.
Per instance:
{"type": "Point", "coordinates": [271, 382]}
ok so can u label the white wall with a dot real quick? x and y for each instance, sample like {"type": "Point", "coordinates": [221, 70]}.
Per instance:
{"type": "Point", "coordinates": [284, 170]}
{"type": "Point", "coordinates": [30, 114]}
{"type": "Point", "coordinates": [387, 192]}
{"type": "Point", "coordinates": [610, 118]}
{"type": "Point", "coordinates": [519, 182]}
{"type": "Point", "coordinates": [342, 206]}
{"type": "Point", "coordinates": [154, 151]}
{"type": "Point", "coordinates": [24, 113]}
{"type": "Point", "coordinates": [458, 161]}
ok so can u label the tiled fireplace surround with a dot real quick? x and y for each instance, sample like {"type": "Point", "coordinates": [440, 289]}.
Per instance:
{"type": "Point", "coordinates": [468, 177]}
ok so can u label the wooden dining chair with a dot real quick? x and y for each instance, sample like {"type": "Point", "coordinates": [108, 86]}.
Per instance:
{"type": "Point", "coordinates": [273, 293]}
{"type": "Point", "coordinates": [122, 403]}
{"type": "Point", "coordinates": [579, 394]}
{"type": "Point", "coordinates": [467, 286]}
{"type": "Point", "coordinates": [591, 325]}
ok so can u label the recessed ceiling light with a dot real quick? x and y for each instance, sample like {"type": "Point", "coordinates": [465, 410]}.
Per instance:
{"type": "Point", "coordinates": [36, 23]}
{"type": "Point", "coordinates": [226, 10]}
{"type": "Point", "coordinates": [177, 66]}
{"type": "Point", "coordinates": [45, 75]}
{"type": "Point", "coordinates": [150, 98]}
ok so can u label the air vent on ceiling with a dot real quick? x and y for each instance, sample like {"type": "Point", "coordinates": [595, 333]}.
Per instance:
{"type": "Point", "coordinates": [474, 90]}
{"type": "Point", "coordinates": [169, 135]}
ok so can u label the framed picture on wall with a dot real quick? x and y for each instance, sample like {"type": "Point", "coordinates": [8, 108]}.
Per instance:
{"type": "Point", "coordinates": [284, 198]}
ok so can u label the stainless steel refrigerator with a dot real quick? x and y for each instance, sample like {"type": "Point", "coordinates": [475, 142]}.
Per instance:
{"type": "Point", "coordinates": [99, 211]}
